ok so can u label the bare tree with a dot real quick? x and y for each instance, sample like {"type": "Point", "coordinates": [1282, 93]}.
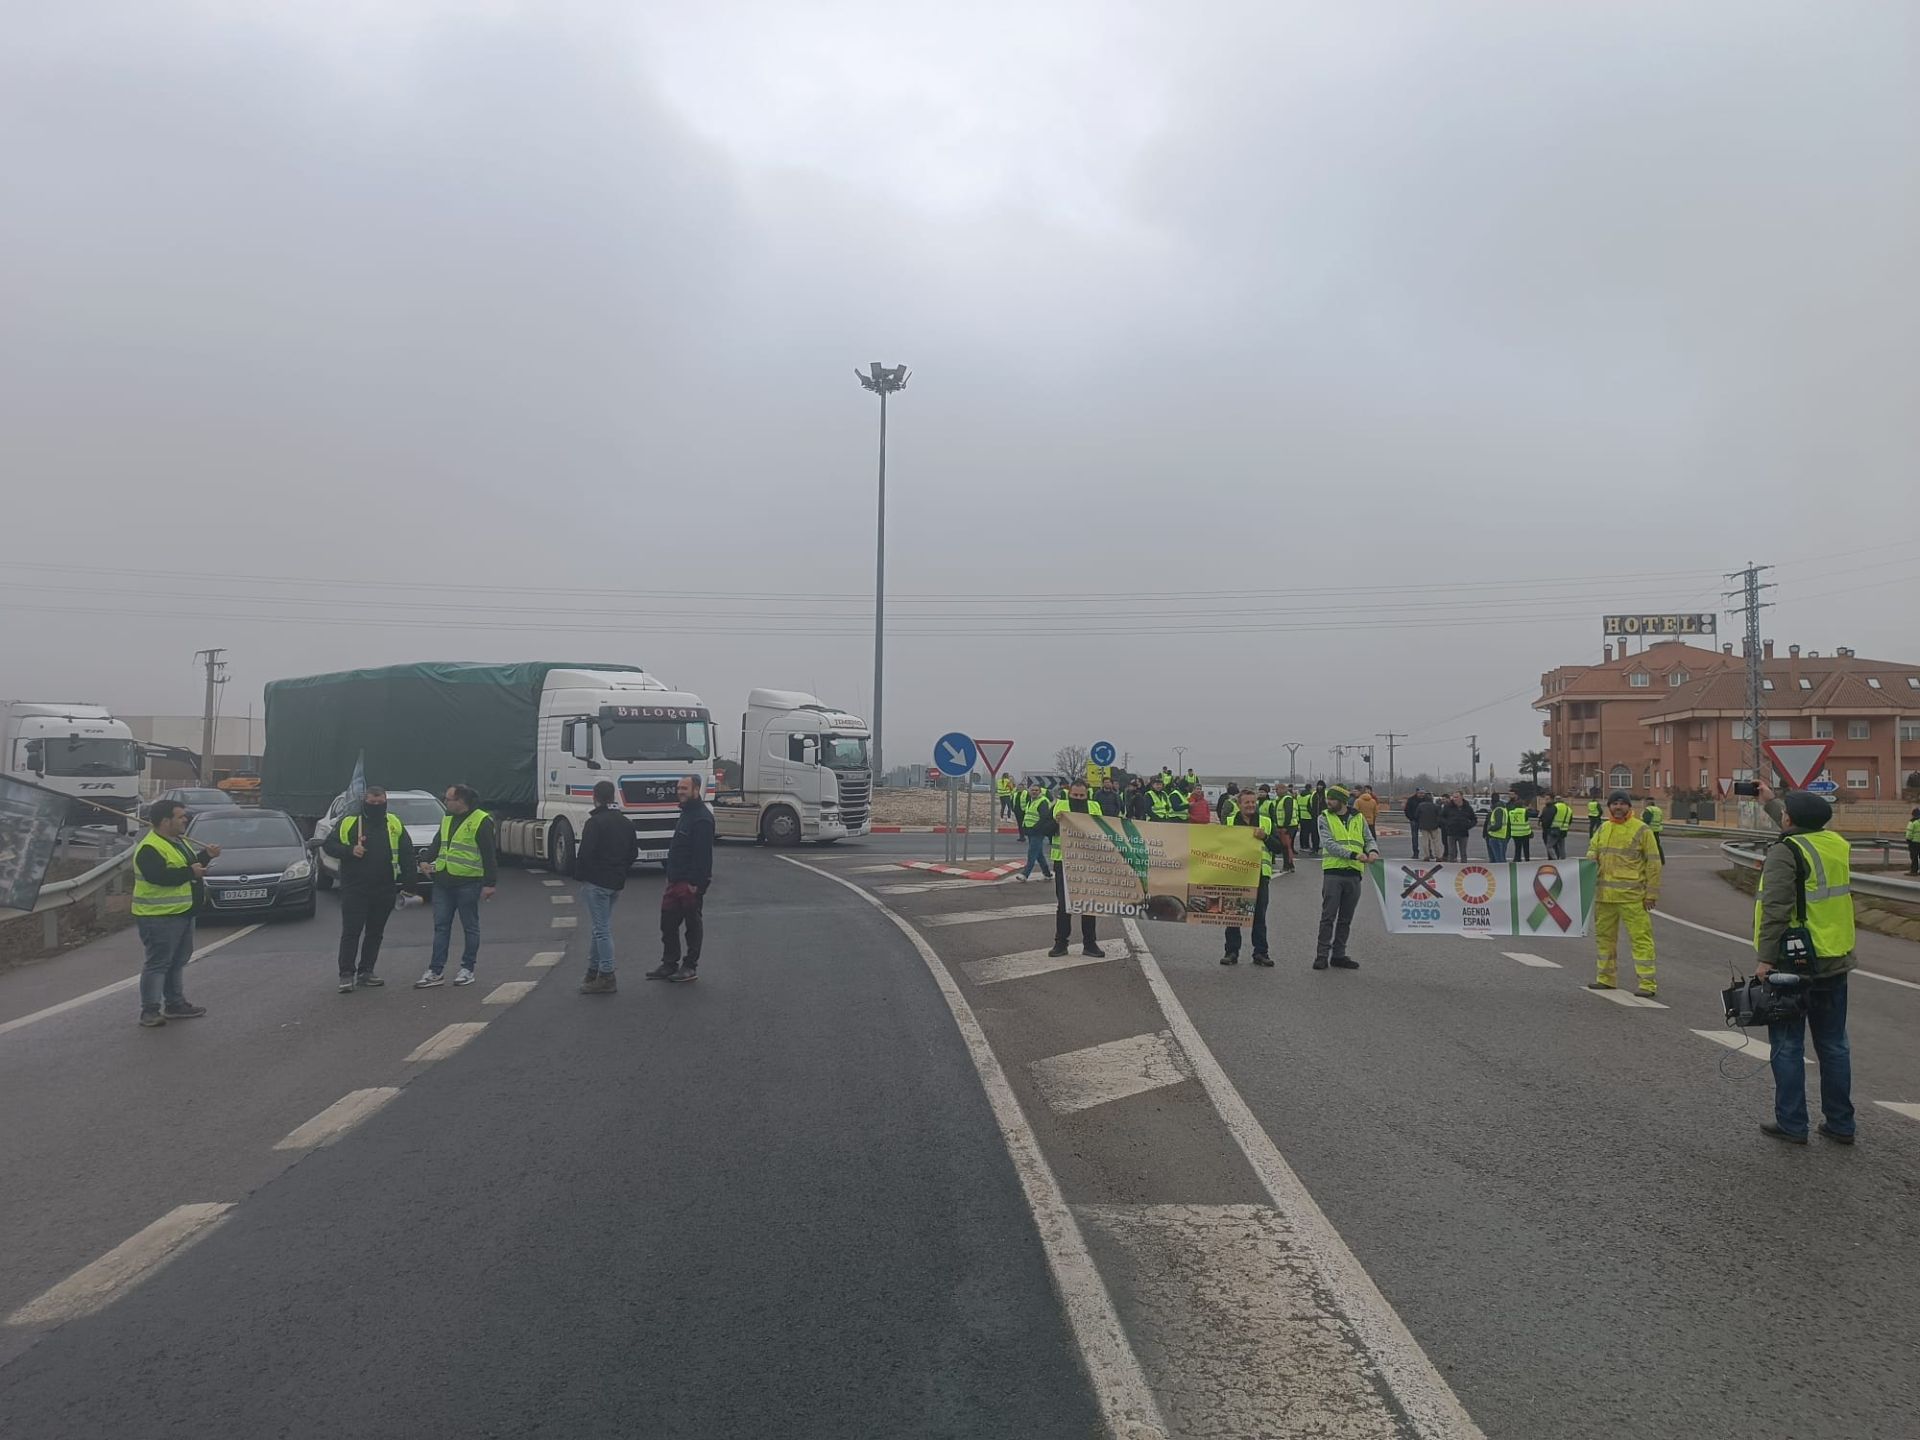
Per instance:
{"type": "Point", "coordinates": [1071, 760]}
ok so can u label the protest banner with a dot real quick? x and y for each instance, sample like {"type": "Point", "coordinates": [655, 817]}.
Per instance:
{"type": "Point", "coordinates": [1535, 899]}
{"type": "Point", "coordinates": [30, 820]}
{"type": "Point", "coordinates": [1191, 874]}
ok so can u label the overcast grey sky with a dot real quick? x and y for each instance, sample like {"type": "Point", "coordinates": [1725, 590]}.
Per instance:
{"type": "Point", "coordinates": [397, 324]}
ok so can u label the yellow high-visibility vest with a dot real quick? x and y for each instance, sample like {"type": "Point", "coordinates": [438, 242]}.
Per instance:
{"type": "Point", "coordinates": [1828, 889]}
{"type": "Point", "coordinates": [150, 899]}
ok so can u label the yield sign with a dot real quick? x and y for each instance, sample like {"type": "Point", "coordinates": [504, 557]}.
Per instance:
{"type": "Point", "coordinates": [1726, 786]}
{"type": "Point", "coordinates": [1798, 760]}
{"type": "Point", "coordinates": [993, 753]}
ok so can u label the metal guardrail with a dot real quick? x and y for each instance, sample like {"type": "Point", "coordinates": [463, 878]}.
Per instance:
{"type": "Point", "coordinates": [1884, 887]}
{"type": "Point", "coordinates": [75, 890]}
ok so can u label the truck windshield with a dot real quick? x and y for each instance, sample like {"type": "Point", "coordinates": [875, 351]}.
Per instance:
{"type": "Point", "coordinates": [654, 739]}
{"type": "Point", "coordinates": [843, 752]}
{"type": "Point", "coordinates": [68, 755]}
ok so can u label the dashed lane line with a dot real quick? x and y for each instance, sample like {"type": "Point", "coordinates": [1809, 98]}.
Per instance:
{"type": "Point", "coordinates": [1082, 1079]}
{"type": "Point", "coordinates": [1538, 962]}
{"type": "Point", "coordinates": [565, 922]}
{"type": "Point", "coordinates": [1025, 964]}
{"type": "Point", "coordinates": [546, 959]}
{"type": "Point", "coordinates": [973, 917]}
{"type": "Point", "coordinates": [561, 899]}
{"type": "Point", "coordinates": [1745, 942]}
{"type": "Point", "coordinates": [338, 1118]}
{"type": "Point", "coordinates": [1628, 999]}
{"type": "Point", "coordinates": [1113, 1370]}
{"type": "Point", "coordinates": [449, 1040]}
{"type": "Point", "coordinates": [1900, 1107]}
{"type": "Point", "coordinates": [551, 884]}
{"type": "Point", "coordinates": [509, 992]}
{"type": "Point", "coordinates": [92, 1287]}
{"type": "Point", "coordinates": [21, 1021]}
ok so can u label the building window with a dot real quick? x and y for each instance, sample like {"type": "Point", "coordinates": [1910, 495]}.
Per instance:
{"type": "Point", "coordinates": [1639, 680]}
{"type": "Point", "coordinates": [1699, 729]}
{"type": "Point", "coordinates": [1856, 779]}
{"type": "Point", "coordinates": [1651, 772]}
{"type": "Point", "coordinates": [1678, 678]}
{"type": "Point", "coordinates": [1859, 729]}
{"type": "Point", "coordinates": [1805, 683]}
{"type": "Point", "coordinates": [1766, 684]}
{"type": "Point", "coordinates": [1823, 729]}
{"type": "Point", "coordinates": [1779, 729]}
{"type": "Point", "coordinates": [1619, 778]}
{"type": "Point", "coordinates": [1743, 774]}
{"type": "Point", "coordinates": [1913, 682]}
{"type": "Point", "coordinates": [1741, 729]}
{"type": "Point", "coordinates": [1909, 730]}
{"type": "Point", "coordinates": [1669, 780]}
{"type": "Point", "coordinates": [1873, 682]}
{"type": "Point", "coordinates": [1704, 782]}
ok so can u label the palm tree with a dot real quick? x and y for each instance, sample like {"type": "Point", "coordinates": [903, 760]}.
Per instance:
{"type": "Point", "coordinates": [1533, 762]}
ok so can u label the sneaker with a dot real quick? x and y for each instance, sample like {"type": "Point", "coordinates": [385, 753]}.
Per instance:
{"type": "Point", "coordinates": [465, 977]}
{"type": "Point", "coordinates": [152, 1018]}
{"type": "Point", "coordinates": [1767, 1127]}
{"type": "Point", "coordinates": [346, 985]}
{"type": "Point", "coordinates": [1646, 994]}
{"type": "Point", "coordinates": [1345, 962]}
{"type": "Point", "coordinates": [1264, 960]}
{"type": "Point", "coordinates": [368, 982]}
{"type": "Point", "coordinates": [685, 976]}
{"type": "Point", "coordinates": [1229, 959]}
{"type": "Point", "coordinates": [184, 1012]}
{"type": "Point", "coordinates": [1057, 950]}
{"type": "Point", "coordinates": [430, 979]}
{"type": "Point", "coordinates": [1835, 1135]}
{"type": "Point", "coordinates": [598, 984]}
{"type": "Point", "coordinates": [1094, 950]}
{"type": "Point", "coordinates": [1601, 985]}
{"type": "Point", "coordinates": [1320, 964]}
{"type": "Point", "coordinates": [663, 972]}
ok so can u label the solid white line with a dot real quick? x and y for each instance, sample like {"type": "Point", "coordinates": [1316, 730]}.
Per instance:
{"type": "Point", "coordinates": [1628, 999]}
{"type": "Point", "coordinates": [337, 1119]}
{"type": "Point", "coordinates": [565, 922]}
{"type": "Point", "coordinates": [1432, 1407]}
{"type": "Point", "coordinates": [1900, 1107]}
{"type": "Point", "coordinates": [1113, 1370]}
{"type": "Point", "coordinates": [509, 992]}
{"type": "Point", "coordinates": [972, 917]}
{"type": "Point", "coordinates": [446, 1042]}
{"type": "Point", "coordinates": [1028, 963]}
{"type": "Point", "coordinates": [127, 1264]}
{"type": "Point", "coordinates": [118, 985]}
{"type": "Point", "coordinates": [1538, 962]}
{"type": "Point", "coordinates": [1746, 943]}
{"type": "Point", "coordinates": [546, 959]}
{"type": "Point", "coordinates": [1100, 1074]}
{"type": "Point", "coordinates": [561, 899]}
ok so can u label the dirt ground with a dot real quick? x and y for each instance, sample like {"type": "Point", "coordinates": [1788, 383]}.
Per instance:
{"type": "Point", "coordinates": [21, 937]}
{"type": "Point", "coordinates": [925, 807]}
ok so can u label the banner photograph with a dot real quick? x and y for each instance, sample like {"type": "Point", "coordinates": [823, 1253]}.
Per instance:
{"type": "Point", "coordinates": [1542, 899]}
{"type": "Point", "coordinates": [1193, 874]}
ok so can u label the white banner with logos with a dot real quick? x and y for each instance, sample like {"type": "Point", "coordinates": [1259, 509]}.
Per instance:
{"type": "Point", "coordinates": [1528, 900]}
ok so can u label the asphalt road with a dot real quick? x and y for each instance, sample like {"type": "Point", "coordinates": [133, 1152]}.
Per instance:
{"type": "Point", "coordinates": [1450, 1194]}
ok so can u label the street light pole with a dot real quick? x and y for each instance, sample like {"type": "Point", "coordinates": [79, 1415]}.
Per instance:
{"type": "Point", "coordinates": [1293, 750]}
{"type": "Point", "coordinates": [883, 382]}
{"type": "Point", "coordinates": [1180, 757]}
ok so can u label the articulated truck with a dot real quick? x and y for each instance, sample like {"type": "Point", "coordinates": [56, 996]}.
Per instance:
{"type": "Point", "coordinates": [532, 737]}
{"type": "Point", "coordinates": [805, 773]}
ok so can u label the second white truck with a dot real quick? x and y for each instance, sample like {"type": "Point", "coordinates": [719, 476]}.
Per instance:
{"type": "Point", "coordinates": [806, 773]}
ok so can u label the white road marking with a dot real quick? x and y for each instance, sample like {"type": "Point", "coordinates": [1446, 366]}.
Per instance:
{"type": "Point", "coordinates": [337, 1119]}
{"type": "Point", "coordinates": [1432, 1407]}
{"type": "Point", "coordinates": [1082, 1079]}
{"type": "Point", "coordinates": [1900, 1107]}
{"type": "Point", "coordinates": [561, 899]}
{"type": "Point", "coordinates": [971, 917]}
{"type": "Point", "coordinates": [509, 992]}
{"type": "Point", "coordinates": [546, 959]}
{"type": "Point", "coordinates": [565, 922]}
{"type": "Point", "coordinates": [127, 1264]}
{"type": "Point", "coordinates": [1538, 962]}
{"type": "Point", "coordinates": [118, 985]}
{"type": "Point", "coordinates": [1113, 1370]}
{"type": "Point", "coordinates": [1036, 962]}
{"type": "Point", "coordinates": [446, 1042]}
{"type": "Point", "coordinates": [1229, 1301]}
{"type": "Point", "coordinates": [551, 884]}
{"type": "Point", "coordinates": [1628, 999]}
{"type": "Point", "coordinates": [922, 887]}
{"type": "Point", "coordinates": [1739, 1040]}
{"type": "Point", "coordinates": [1745, 942]}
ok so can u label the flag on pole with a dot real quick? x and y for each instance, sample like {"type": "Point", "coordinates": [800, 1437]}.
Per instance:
{"type": "Point", "coordinates": [357, 786]}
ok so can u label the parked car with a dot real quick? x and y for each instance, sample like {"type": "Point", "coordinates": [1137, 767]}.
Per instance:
{"type": "Point", "coordinates": [196, 798]}
{"type": "Point", "coordinates": [419, 812]}
{"type": "Point", "coordinates": [263, 867]}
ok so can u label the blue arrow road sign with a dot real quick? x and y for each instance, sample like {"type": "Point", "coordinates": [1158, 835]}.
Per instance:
{"type": "Point", "coordinates": [1823, 787]}
{"type": "Point", "coordinates": [955, 754]}
{"type": "Point", "coordinates": [1102, 752]}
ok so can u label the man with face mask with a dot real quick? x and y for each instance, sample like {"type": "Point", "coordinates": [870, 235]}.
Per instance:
{"type": "Point", "coordinates": [374, 853]}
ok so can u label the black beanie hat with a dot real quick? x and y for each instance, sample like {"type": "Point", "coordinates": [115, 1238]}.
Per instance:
{"type": "Point", "coordinates": [1807, 811]}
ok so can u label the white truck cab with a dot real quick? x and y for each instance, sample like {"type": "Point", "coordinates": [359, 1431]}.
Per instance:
{"type": "Point", "coordinates": [805, 773]}
{"type": "Point", "coordinates": [80, 750]}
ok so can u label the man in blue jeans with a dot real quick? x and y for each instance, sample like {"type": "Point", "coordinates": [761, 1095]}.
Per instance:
{"type": "Point", "coordinates": [1034, 805]}
{"type": "Point", "coordinates": [167, 894]}
{"type": "Point", "coordinates": [608, 849]}
{"type": "Point", "coordinates": [1806, 884]}
{"type": "Point", "coordinates": [463, 861]}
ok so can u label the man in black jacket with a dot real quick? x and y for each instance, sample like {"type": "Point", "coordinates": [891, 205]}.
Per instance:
{"type": "Point", "coordinates": [1457, 824]}
{"type": "Point", "coordinates": [374, 853]}
{"type": "Point", "coordinates": [167, 894]}
{"type": "Point", "coordinates": [689, 873]}
{"type": "Point", "coordinates": [608, 848]}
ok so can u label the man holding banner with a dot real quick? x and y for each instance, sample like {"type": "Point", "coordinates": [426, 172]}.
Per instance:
{"type": "Point", "coordinates": [1247, 813]}
{"type": "Point", "coordinates": [1076, 803]}
{"type": "Point", "coordinates": [1346, 845]}
{"type": "Point", "coordinates": [1628, 888]}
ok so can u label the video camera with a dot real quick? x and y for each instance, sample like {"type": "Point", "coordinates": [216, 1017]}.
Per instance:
{"type": "Point", "coordinates": [1781, 998]}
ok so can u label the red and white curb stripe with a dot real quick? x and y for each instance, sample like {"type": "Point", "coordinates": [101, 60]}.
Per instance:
{"type": "Point", "coordinates": [996, 872]}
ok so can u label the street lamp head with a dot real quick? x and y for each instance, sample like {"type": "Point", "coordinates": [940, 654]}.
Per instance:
{"type": "Point", "coordinates": [881, 380]}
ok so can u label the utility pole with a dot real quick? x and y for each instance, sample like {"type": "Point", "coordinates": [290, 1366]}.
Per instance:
{"type": "Point", "coordinates": [216, 676]}
{"type": "Point", "coordinates": [1390, 736]}
{"type": "Point", "coordinates": [1750, 607]}
{"type": "Point", "coordinates": [1473, 745]}
{"type": "Point", "coordinates": [883, 382]}
{"type": "Point", "coordinates": [1293, 750]}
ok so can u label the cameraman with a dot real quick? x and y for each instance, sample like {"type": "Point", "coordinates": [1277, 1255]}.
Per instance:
{"type": "Point", "coordinates": [1807, 847]}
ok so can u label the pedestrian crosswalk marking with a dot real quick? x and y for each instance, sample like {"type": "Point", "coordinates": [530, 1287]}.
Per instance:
{"type": "Point", "coordinates": [1538, 962]}
{"type": "Point", "coordinates": [1099, 1074]}
{"type": "Point", "coordinates": [1628, 999]}
{"type": "Point", "coordinates": [1026, 963]}
{"type": "Point", "coordinates": [970, 917]}
{"type": "Point", "coordinates": [1900, 1107]}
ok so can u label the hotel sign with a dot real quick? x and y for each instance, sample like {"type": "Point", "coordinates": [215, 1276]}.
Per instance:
{"type": "Point", "coordinates": [1661, 624]}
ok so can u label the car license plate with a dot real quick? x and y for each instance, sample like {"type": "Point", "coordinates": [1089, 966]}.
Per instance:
{"type": "Point", "coordinates": [243, 895]}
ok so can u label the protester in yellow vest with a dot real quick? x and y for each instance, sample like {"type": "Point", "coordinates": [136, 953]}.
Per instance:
{"type": "Point", "coordinates": [1347, 846]}
{"type": "Point", "coordinates": [1655, 820]}
{"type": "Point", "coordinates": [1496, 829]}
{"type": "Point", "coordinates": [1520, 831]}
{"type": "Point", "coordinates": [167, 893]}
{"type": "Point", "coordinates": [1627, 886]}
{"type": "Point", "coordinates": [1004, 787]}
{"type": "Point", "coordinates": [1913, 842]}
{"type": "Point", "coordinates": [1808, 871]}
{"type": "Point", "coordinates": [1247, 813]}
{"type": "Point", "coordinates": [463, 861]}
{"type": "Point", "coordinates": [1030, 808]}
{"type": "Point", "coordinates": [1076, 803]}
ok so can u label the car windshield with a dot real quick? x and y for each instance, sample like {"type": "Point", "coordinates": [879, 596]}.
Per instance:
{"type": "Point", "coordinates": [203, 797]}
{"type": "Point", "coordinates": [415, 809]}
{"type": "Point", "coordinates": [245, 832]}
{"type": "Point", "coordinates": [79, 755]}
{"type": "Point", "coordinates": [844, 752]}
{"type": "Point", "coordinates": [654, 739]}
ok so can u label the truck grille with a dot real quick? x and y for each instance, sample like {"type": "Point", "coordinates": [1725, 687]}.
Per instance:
{"type": "Point", "coordinates": [648, 792]}
{"type": "Point", "coordinates": [856, 799]}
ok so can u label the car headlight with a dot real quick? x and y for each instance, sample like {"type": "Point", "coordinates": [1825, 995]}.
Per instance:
{"type": "Point", "coordinates": [299, 870]}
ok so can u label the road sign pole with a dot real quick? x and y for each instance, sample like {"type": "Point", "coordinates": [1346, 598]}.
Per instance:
{"type": "Point", "coordinates": [950, 820]}
{"type": "Point", "coordinates": [966, 836]}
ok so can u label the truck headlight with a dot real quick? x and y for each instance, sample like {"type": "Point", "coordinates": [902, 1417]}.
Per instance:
{"type": "Point", "coordinates": [299, 870]}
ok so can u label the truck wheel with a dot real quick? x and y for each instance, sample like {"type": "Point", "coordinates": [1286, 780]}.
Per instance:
{"type": "Point", "coordinates": [780, 827]}
{"type": "Point", "coordinates": [560, 849]}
